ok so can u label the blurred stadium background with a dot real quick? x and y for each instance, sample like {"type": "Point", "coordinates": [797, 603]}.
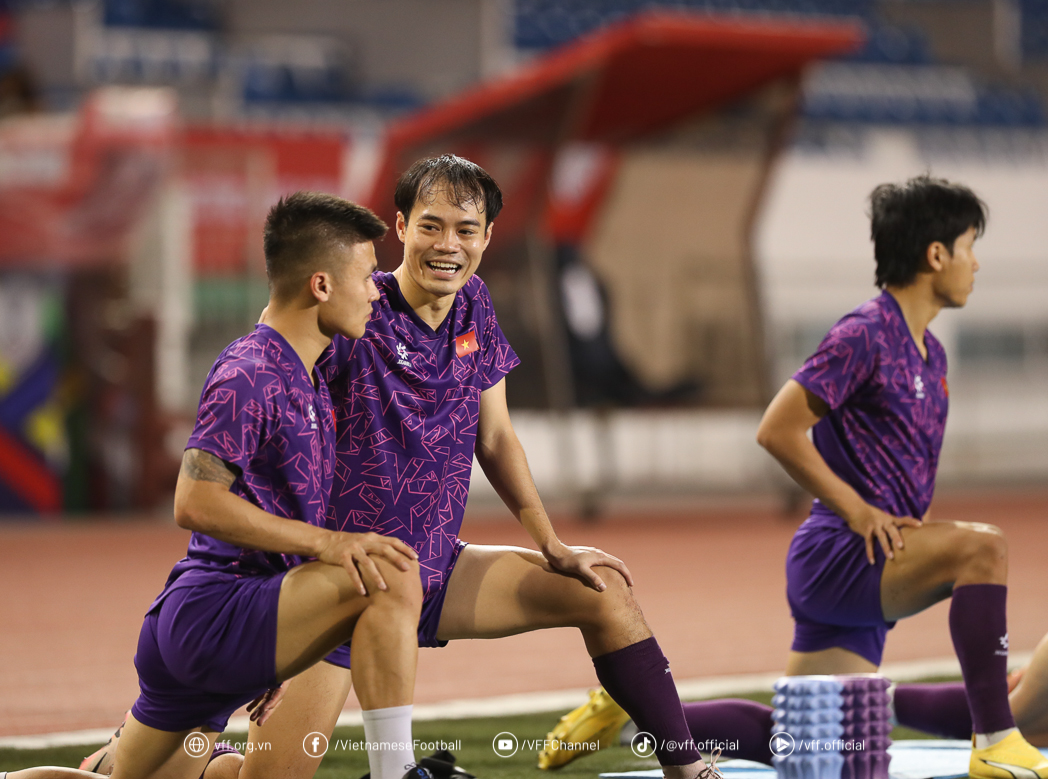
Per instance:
{"type": "Point", "coordinates": [685, 182]}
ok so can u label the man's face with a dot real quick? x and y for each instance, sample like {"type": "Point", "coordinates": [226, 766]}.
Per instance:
{"type": "Point", "coordinates": [954, 282]}
{"type": "Point", "coordinates": [443, 242]}
{"type": "Point", "coordinates": [348, 308]}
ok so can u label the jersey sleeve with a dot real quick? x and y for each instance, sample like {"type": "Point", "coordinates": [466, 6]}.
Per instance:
{"type": "Point", "coordinates": [238, 412]}
{"type": "Point", "coordinates": [497, 358]}
{"type": "Point", "coordinates": [844, 361]}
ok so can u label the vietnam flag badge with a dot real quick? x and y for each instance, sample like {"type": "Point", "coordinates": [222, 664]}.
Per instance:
{"type": "Point", "coordinates": [466, 344]}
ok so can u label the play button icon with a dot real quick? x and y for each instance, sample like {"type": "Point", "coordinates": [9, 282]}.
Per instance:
{"type": "Point", "coordinates": [782, 744]}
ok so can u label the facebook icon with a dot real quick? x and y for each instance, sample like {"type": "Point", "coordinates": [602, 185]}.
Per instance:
{"type": "Point", "coordinates": [315, 744]}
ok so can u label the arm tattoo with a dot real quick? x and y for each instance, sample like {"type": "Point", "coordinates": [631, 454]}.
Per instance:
{"type": "Point", "coordinates": [201, 466]}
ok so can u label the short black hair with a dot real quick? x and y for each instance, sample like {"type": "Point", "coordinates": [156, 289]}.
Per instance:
{"type": "Point", "coordinates": [464, 181]}
{"type": "Point", "coordinates": [303, 228]}
{"type": "Point", "coordinates": [906, 219]}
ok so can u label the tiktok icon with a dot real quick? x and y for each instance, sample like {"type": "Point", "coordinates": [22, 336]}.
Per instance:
{"type": "Point", "coordinates": [643, 744]}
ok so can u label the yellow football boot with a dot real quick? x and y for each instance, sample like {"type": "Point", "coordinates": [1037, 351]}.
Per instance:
{"type": "Point", "coordinates": [592, 726]}
{"type": "Point", "coordinates": [1011, 758]}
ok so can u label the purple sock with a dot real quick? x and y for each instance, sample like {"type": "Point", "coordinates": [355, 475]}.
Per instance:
{"type": "Point", "coordinates": [744, 725]}
{"type": "Point", "coordinates": [938, 709]}
{"type": "Point", "coordinates": [638, 678]}
{"type": "Point", "coordinates": [979, 626]}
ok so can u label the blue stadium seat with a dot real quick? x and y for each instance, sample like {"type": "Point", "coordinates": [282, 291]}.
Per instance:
{"type": "Point", "coordinates": [541, 24]}
{"type": "Point", "coordinates": [890, 44]}
{"type": "Point", "coordinates": [161, 14]}
{"type": "Point", "coordinates": [1034, 28]}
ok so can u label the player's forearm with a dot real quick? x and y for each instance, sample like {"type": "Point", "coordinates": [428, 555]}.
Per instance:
{"type": "Point", "coordinates": [504, 463]}
{"type": "Point", "coordinates": [206, 507]}
{"type": "Point", "coordinates": [802, 461]}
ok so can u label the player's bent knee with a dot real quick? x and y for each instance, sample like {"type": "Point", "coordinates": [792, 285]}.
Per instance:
{"type": "Point", "coordinates": [616, 583]}
{"type": "Point", "coordinates": [404, 587]}
{"type": "Point", "coordinates": [224, 767]}
{"type": "Point", "coordinates": [614, 602]}
{"type": "Point", "coordinates": [984, 550]}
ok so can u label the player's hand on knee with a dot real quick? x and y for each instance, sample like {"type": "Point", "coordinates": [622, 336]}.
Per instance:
{"type": "Point", "coordinates": [353, 552]}
{"type": "Point", "coordinates": [872, 523]}
{"type": "Point", "coordinates": [266, 703]}
{"type": "Point", "coordinates": [579, 561]}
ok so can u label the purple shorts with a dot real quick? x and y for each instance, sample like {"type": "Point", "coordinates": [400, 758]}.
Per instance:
{"type": "Point", "coordinates": [208, 648]}
{"type": "Point", "coordinates": [833, 591]}
{"type": "Point", "coordinates": [429, 619]}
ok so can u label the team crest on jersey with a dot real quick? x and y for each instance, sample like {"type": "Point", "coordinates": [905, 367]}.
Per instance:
{"type": "Point", "coordinates": [312, 417]}
{"type": "Point", "coordinates": [918, 387]}
{"type": "Point", "coordinates": [402, 355]}
{"type": "Point", "coordinates": [466, 344]}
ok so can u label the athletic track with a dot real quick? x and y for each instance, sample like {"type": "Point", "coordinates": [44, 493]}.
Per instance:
{"type": "Point", "coordinates": [710, 580]}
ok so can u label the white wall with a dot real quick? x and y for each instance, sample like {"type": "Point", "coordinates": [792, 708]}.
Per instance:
{"type": "Point", "coordinates": [812, 241]}
{"type": "Point", "coordinates": [816, 263]}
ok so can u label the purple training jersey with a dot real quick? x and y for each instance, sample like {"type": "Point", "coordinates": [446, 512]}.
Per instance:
{"type": "Point", "coordinates": [888, 407]}
{"type": "Point", "coordinates": [260, 412]}
{"type": "Point", "coordinates": [407, 401]}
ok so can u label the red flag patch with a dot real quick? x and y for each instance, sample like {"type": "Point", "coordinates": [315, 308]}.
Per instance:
{"type": "Point", "coordinates": [945, 387]}
{"type": "Point", "coordinates": [466, 344]}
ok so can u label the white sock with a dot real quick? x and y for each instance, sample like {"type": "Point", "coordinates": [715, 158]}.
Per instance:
{"type": "Point", "coordinates": [984, 740]}
{"type": "Point", "coordinates": [390, 746]}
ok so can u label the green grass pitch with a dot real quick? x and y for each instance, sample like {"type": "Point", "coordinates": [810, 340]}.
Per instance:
{"type": "Point", "coordinates": [473, 737]}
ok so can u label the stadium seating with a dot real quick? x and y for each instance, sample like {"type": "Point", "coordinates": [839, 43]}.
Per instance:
{"type": "Point", "coordinates": [1034, 29]}
{"type": "Point", "coordinates": [893, 80]}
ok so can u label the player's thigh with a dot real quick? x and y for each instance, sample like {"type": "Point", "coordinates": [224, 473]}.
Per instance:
{"type": "Point", "coordinates": [497, 591]}
{"type": "Point", "coordinates": [1030, 699]}
{"type": "Point", "coordinates": [147, 753]}
{"type": "Point", "coordinates": [835, 660]}
{"type": "Point", "coordinates": [925, 569]}
{"type": "Point", "coordinates": [319, 606]}
{"type": "Point", "coordinates": [311, 704]}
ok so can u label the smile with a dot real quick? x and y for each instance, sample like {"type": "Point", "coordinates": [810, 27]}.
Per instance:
{"type": "Point", "coordinates": [443, 268]}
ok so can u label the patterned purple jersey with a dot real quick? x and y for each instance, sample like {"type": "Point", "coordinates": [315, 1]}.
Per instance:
{"type": "Point", "coordinates": [888, 407]}
{"type": "Point", "coordinates": [407, 400]}
{"type": "Point", "coordinates": [260, 412]}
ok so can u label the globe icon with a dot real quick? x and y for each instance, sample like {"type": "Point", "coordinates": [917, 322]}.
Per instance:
{"type": "Point", "coordinates": [196, 745]}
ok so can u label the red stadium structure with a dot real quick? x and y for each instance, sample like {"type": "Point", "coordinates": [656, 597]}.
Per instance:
{"type": "Point", "coordinates": [626, 87]}
{"type": "Point", "coordinates": [97, 208]}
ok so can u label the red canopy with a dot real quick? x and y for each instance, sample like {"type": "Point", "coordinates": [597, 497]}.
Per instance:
{"type": "Point", "coordinates": [620, 84]}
